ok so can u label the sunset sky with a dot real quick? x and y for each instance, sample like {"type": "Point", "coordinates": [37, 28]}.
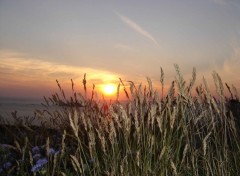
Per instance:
{"type": "Point", "coordinates": [41, 41]}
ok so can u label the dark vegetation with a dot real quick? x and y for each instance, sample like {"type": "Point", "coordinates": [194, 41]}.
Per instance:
{"type": "Point", "coordinates": [176, 134]}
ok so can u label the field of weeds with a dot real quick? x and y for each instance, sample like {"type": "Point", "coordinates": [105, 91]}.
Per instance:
{"type": "Point", "coordinates": [178, 134]}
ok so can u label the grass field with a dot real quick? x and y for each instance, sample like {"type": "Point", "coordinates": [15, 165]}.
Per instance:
{"type": "Point", "coordinates": [150, 134]}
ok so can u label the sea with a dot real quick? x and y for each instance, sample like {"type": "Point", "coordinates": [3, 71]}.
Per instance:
{"type": "Point", "coordinates": [25, 109]}
{"type": "Point", "coordinates": [21, 107]}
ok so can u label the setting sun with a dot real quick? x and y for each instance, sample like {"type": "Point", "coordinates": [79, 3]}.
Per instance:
{"type": "Point", "coordinates": [109, 89]}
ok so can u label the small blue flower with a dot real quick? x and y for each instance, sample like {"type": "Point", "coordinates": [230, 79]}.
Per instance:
{"type": "Point", "coordinates": [51, 151]}
{"type": "Point", "coordinates": [1, 170]}
{"type": "Point", "coordinates": [4, 146]}
{"type": "Point", "coordinates": [42, 161]}
{"type": "Point", "coordinates": [37, 156]}
{"type": "Point", "coordinates": [7, 165]}
{"type": "Point", "coordinates": [35, 149]}
{"type": "Point", "coordinates": [39, 165]}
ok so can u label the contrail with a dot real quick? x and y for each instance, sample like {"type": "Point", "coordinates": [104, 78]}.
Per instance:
{"type": "Point", "coordinates": [137, 28]}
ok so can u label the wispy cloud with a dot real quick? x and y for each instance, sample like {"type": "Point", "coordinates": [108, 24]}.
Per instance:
{"type": "Point", "coordinates": [137, 28]}
{"type": "Point", "coordinates": [228, 70]}
{"type": "Point", "coordinates": [23, 68]}
{"type": "Point", "coordinates": [123, 47]}
{"type": "Point", "coordinates": [231, 65]}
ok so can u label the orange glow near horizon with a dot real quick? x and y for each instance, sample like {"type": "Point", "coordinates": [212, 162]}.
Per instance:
{"type": "Point", "coordinates": [25, 76]}
{"type": "Point", "coordinates": [34, 75]}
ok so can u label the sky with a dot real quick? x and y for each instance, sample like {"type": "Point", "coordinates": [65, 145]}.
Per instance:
{"type": "Point", "coordinates": [41, 41]}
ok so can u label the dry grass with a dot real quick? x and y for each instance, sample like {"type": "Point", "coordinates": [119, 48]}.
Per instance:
{"type": "Point", "coordinates": [179, 134]}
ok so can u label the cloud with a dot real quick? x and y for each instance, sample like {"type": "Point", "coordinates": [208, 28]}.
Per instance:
{"type": "Point", "coordinates": [228, 70]}
{"type": "Point", "coordinates": [123, 47]}
{"type": "Point", "coordinates": [137, 28]}
{"type": "Point", "coordinates": [231, 66]}
{"type": "Point", "coordinates": [24, 75]}
{"type": "Point", "coordinates": [22, 68]}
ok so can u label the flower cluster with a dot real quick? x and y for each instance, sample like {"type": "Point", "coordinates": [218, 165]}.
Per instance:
{"type": "Point", "coordinates": [6, 158]}
{"type": "Point", "coordinates": [51, 151]}
{"type": "Point", "coordinates": [39, 164]}
{"type": "Point", "coordinates": [40, 157]}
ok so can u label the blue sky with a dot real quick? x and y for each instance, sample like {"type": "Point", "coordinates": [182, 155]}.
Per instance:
{"type": "Point", "coordinates": [41, 41]}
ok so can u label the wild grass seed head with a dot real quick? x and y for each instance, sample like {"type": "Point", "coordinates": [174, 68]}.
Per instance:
{"type": "Point", "coordinates": [173, 167]}
{"type": "Point", "coordinates": [76, 165]}
{"type": "Point", "coordinates": [185, 153]}
{"type": "Point", "coordinates": [205, 143]}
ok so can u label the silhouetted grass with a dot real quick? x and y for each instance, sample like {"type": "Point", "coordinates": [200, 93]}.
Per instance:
{"type": "Point", "coordinates": [178, 134]}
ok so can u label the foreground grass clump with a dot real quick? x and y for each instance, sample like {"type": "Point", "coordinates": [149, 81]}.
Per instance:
{"type": "Point", "coordinates": [148, 135]}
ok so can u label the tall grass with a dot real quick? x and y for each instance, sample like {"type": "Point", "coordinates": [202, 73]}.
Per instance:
{"type": "Point", "coordinates": [179, 134]}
